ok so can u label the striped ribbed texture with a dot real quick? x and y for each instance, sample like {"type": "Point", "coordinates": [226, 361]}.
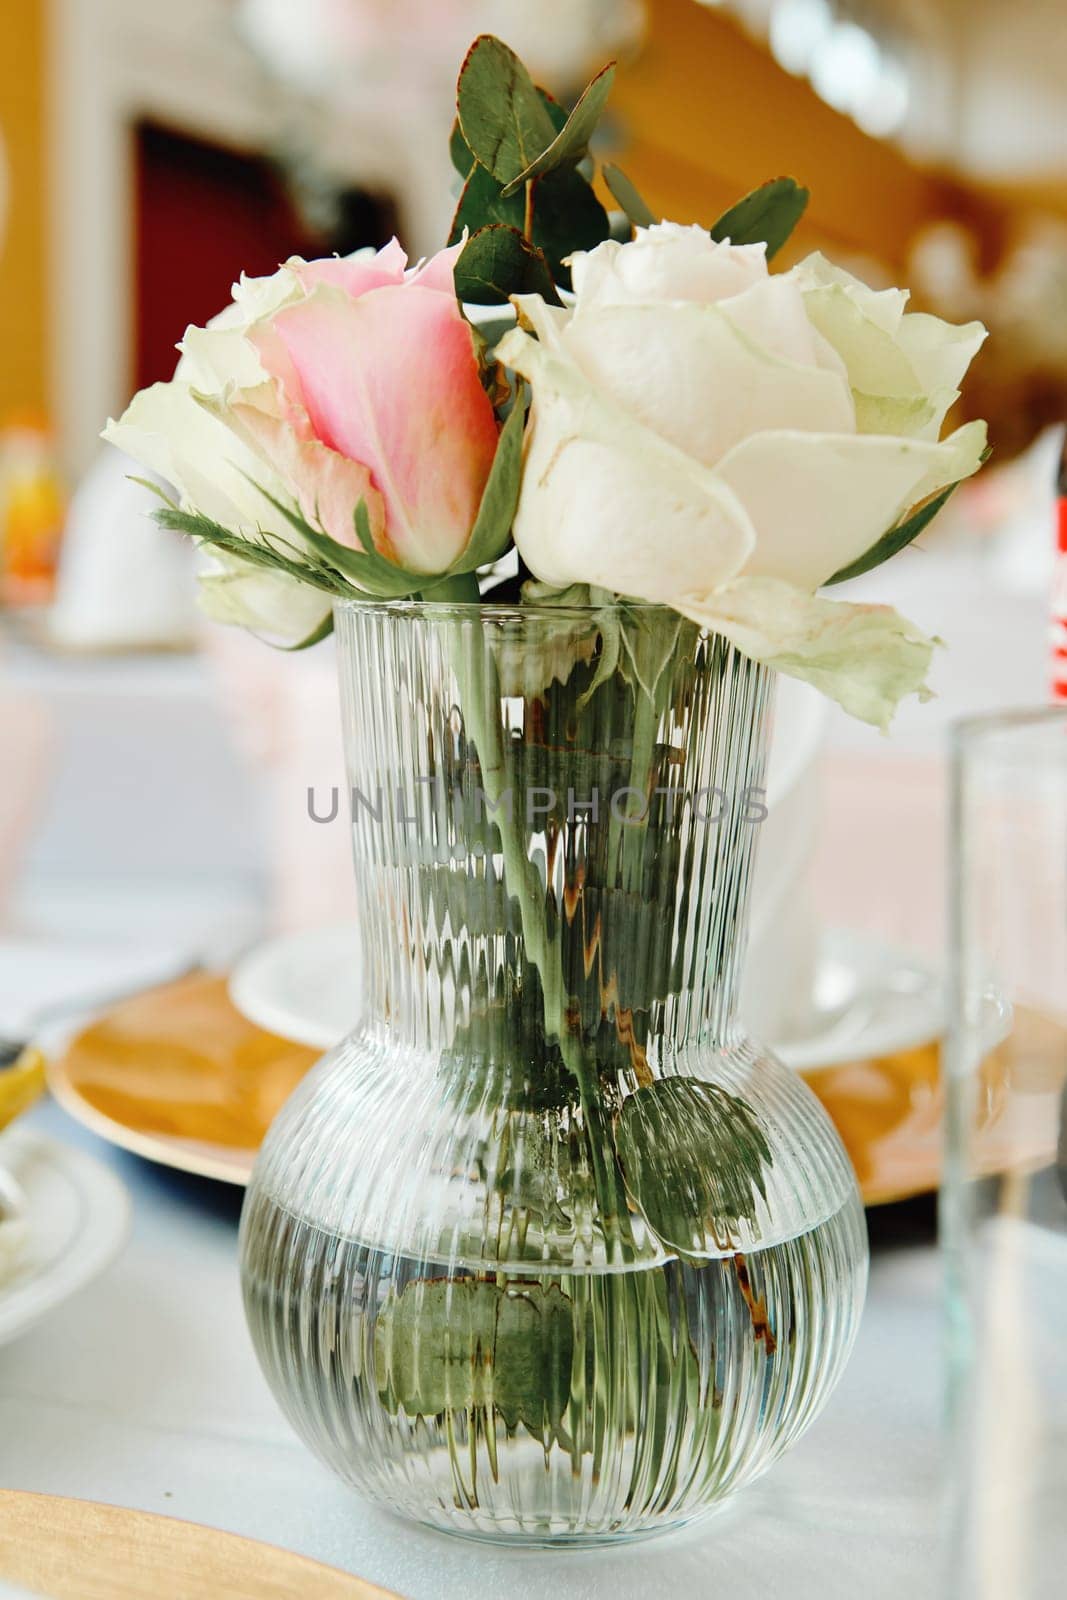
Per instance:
{"type": "Point", "coordinates": [546, 1250]}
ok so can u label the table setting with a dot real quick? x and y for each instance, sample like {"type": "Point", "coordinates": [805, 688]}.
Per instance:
{"type": "Point", "coordinates": [566, 1218]}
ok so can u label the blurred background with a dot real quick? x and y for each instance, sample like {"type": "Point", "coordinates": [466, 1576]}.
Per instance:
{"type": "Point", "coordinates": [155, 776]}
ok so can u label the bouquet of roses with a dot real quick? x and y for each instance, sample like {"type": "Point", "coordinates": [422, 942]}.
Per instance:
{"type": "Point", "coordinates": [669, 421]}
{"type": "Point", "coordinates": [548, 1190]}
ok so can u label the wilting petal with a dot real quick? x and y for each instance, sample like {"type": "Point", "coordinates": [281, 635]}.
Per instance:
{"type": "Point", "coordinates": [391, 381]}
{"type": "Point", "coordinates": [691, 376]}
{"type": "Point", "coordinates": [604, 501]}
{"type": "Point", "coordinates": [867, 658]}
{"type": "Point", "coordinates": [817, 503]}
{"type": "Point", "coordinates": [277, 608]}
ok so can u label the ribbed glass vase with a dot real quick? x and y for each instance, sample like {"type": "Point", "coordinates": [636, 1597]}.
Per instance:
{"type": "Point", "coordinates": [546, 1250]}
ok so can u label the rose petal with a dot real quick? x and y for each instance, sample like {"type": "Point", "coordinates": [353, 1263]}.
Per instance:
{"type": "Point", "coordinates": [358, 273]}
{"type": "Point", "coordinates": [327, 487]}
{"type": "Point", "coordinates": [666, 262]}
{"type": "Point", "coordinates": [687, 373]}
{"type": "Point", "coordinates": [391, 380]}
{"type": "Point", "coordinates": [867, 658]}
{"type": "Point", "coordinates": [212, 470]}
{"type": "Point", "coordinates": [607, 502]}
{"type": "Point", "coordinates": [817, 503]}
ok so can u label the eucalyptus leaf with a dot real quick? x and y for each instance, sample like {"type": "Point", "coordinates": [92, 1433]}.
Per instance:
{"type": "Point", "coordinates": [481, 205]}
{"type": "Point", "coordinates": [898, 538]}
{"type": "Point", "coordinates": [567, 217]}
{"type": "Point", "coordinates": [498, 262]}
{"type": "Point", "coordinates": [458, 1345]}
{"type": "Point", "coordinates": [767, 215]}
{"type": "Point", "coordinates": [624, 192]}
{"type": "Point", "coordinates": [460, 152]}
{"type": "Point", "coordinates": [695, 1160]}
{"type": "Point", "coordinates": [502, 117]}
{"type": "Point", "coordinates": [572, 141]}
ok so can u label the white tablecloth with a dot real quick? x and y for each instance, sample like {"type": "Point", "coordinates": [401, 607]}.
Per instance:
{"type": "Point", "coordinates": [143, 1390]}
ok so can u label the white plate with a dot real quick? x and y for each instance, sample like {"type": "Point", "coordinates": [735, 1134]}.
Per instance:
{"type": "Point", "coordinates": [869, 998]}
{"type": "Point", "coordinates": [75, 1215]}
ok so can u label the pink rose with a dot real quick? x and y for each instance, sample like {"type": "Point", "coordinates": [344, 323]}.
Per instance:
{"type": "Point", "coordinates": [352, 378]}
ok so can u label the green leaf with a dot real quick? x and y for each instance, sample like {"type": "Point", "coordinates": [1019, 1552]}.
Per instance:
{"type": "Point", "coordinates": [767, 215]}
{"type": "Point", "coordinates": [491, 534]}
{"type": "Point", "coordinates": [900, 537]}
{"type": "Point", "coordinates": [501, 115]}
{"type": "Point", "coordinates": [567, 217]}
{"type": "Point", "coordinates": [694, 1159]}
{"type": "Point", "coordinates": [572, 141]}
{"type": "Point", "coordinates": [498, 262]}
{"type": "Point", "coordinates": [444, 1345]}
{"type": "Point", "coordinates": [460, 151]}
{"type": "Point", "coordinates": [628, 197]}
{"type": "Point", "coordinates": [481, 205]}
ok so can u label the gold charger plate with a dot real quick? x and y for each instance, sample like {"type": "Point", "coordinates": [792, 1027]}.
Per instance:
{"type": "Point", "coordinates": [179, 1076]}
{"type": "Point", "coordinates": [81, 1550]}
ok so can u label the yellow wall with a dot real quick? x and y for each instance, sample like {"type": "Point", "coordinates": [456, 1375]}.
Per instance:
{"type": "Point", "coordinates": [23, 271]}
{"type": "Point", "coordinates": [707, 114]}
{"type": "Point", "coordinates": [23, 276]}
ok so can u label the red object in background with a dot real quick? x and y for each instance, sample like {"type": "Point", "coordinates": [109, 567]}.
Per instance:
{"type": "Point", "coordinates": [203, 216]}
{"type": "Point", "coordinates": [1058, 629]}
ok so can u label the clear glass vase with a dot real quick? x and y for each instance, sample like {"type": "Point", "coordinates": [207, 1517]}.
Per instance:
{"type": "Point", "coordinates": [547, 1250]}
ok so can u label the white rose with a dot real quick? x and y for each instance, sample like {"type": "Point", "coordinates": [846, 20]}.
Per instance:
{"type": "Point", "coordinates": [695, 439]}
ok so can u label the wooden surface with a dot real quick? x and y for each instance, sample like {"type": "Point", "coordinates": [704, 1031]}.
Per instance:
{"type": "Point", "coordinates": [78, 1550]}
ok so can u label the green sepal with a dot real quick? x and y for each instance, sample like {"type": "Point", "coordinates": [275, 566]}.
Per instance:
{"type": "Point", "coordinates": [160, 494]}
{"type": "Point", "coordinates": [368, 570]}
{"type": "Point", "coordinates": [572, 141]}
{"type": "Point", "coordinates": [767, 215]}
{"type": "Point", "coordinates": [257, 554]}
{"type": "Point", "coordinates": [316, 636]}
{"type": "Point", "coordinates": [498, 262]}
{"type": "Point", "coordinates": [627, 196]}
{"type": "Point", "coordinates": [899, 537]}
{"type": "Point", "coordinates": [502, 118]}
{"type": "Point", "coordinates": [491, 534]}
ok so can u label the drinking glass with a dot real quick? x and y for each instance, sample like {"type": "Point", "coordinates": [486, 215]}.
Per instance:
{"type": "Point", "coordinates": [1004, 1195]}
